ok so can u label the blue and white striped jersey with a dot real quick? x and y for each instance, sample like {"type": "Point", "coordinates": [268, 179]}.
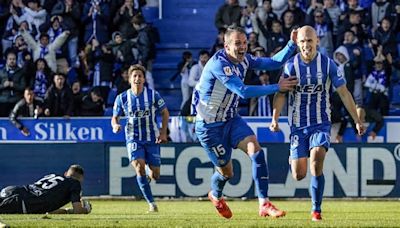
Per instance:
{"type": "Point", "coordinates": [309, 103]}
{"type": "Point", "coordinates": [217, 95]}
{"type": "Point", "coordinates": [141, 112]}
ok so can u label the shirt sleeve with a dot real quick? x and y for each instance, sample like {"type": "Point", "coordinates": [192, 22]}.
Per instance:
{"type": "Point", "coordinates": [336, 75]}
{"type": "Point", "coordinates": [246, 91]}
{"type": "Point", "coordinates": [75, 191]}
{"type": "Point", "coordinates": [225, 73]}
{"type": "Point", "coordinates": [159, 102]}
{"type": "Point", "coordinates": [274, 62]}
{"type": "Point", "coordinates": [117, 109]}
{"type": "Point", "coordinates": [288, 70]}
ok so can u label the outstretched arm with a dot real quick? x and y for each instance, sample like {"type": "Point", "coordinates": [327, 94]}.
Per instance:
{"type": "Point", "coordinates": [245, 91]}
{"type": "Point", "coordinates": [83, 207]}
{"type": "Point", "coordinates": [280, 58]}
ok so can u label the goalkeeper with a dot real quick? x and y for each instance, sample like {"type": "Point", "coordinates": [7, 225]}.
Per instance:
{"type": "Point", "coordinates": [47, 195]}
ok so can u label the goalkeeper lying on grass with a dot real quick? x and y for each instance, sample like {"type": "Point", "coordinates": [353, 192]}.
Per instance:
{"type": "Point", "coordinates": [47, 195]}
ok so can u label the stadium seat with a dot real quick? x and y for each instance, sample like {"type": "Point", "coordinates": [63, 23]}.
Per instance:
{"type": "Point", "coordinates": [111, 97]}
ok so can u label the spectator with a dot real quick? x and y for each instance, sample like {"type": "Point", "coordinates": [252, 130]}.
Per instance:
{"type": "Point", "coordinates": [355, 24]}
{"type": "Point", "coordinates": [276, 40]}
{"type": "Point", "coordinates": [354, 50]}
{"type": "Point", "coordinates": [123, 18]}
{"type": "Point", "coordinates": [278, 7]}
{"type": "Point", "coordinates": [342, 59]}
{"type": "Point", "coordinates": [288, 23]}
{"type": "Point", "coordinates": [4, 15]}
{"type": "Point", "coordinates": [21, 49]}
{"type": "Point", "coordinates": [95, 17]}
{"type": "Point", "coordinates": [70, 11]}
{"type": "Point", "coordinates": [228, 14]}
{"type": "Point", "coordinates": [219, 41]}
{"type": "Point", "coordinates": [101, 61]}
{"type": "Point", "coordinates": [378, 88]}
{"type": "Point", "coordinates": [12, 31]}
{"type": "Point", "coordinates": [252, 43]}
{"type": "Point", "coordinates": [124, 51]}
{"type": "Point", "coordinates": [265, 14]}
{"type": "Point", "coordinates": [29, 106]}
{"type": "Point", "coordinates": [297, 12]}
{"type": "Point", "coordinates": [54, 29]}
{"type": "Point", "coordinates": [145, 42]}
{"type": "Point", "coordinates": [183, 70]}
{"type": "Point", "coordinates": [323, 25]}
{"type": "Point", "coordinates": [122, 82]}
{"type": "Point", "coordinates": [334, 13]}
{"type": "Point", "coordinates": [12, 84]}
{"type": "Point", "coordinates": [379, 9]}
{"type": "Point", "coordinates": [194, 77]}
{"type": "Point", "coordinates": [34, 14]}
{"type": "Point", "coordinates": [386, 37]}
{"type": "Point", "coordinates": [195, 71]}
{"type": "Point", "coordinates": [41, 79]}
{"type": "Point", "coordinates": [59, 100]}
{"type": "Point", "coordinates": [77, 96]}
{"type": "Point", "coordinates": [92, 104]}
{"type": "Point", "coordinates": [44, 49]}
{"type": "Point", "coordinates": [249, 18]}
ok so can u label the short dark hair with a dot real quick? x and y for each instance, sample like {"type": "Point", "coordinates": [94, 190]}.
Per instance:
{"type": "Point", "coordinates": [138, 19]}
{"type": "Point", "coordinates": [59, 74]}
{"type": "Point", "coordinates": [77, 169]}
{"type": "Point", "coordinates": [232, 29]}
{"type": "Point", "coordinates": [44, 35]}
{"type": "Point", "coordinates": [203, 52]}
{"type": "Point", "coordinates": [137, 67]}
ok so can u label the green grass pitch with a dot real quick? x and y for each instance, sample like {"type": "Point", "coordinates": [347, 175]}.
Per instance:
{"type": "Point", "coordinates": [124, 213]}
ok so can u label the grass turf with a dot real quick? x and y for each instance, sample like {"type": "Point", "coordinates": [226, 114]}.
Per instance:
{"type": "Point", "coordinates": [202, 214]}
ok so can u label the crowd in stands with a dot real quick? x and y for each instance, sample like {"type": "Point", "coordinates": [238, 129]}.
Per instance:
{"type": "Point", "coordinates": [362, 36]}
{"type": "Point", "coordinates": [63, 58]}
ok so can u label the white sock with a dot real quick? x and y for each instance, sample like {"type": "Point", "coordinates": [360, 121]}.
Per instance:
{"type": "Point", "coordinates": [262, 201]}
{"type": "Point", "coordinates": [152, 204]}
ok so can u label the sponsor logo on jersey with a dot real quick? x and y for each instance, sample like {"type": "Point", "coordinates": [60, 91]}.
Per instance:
{"type": "Point", "coordinates": [310, 88]}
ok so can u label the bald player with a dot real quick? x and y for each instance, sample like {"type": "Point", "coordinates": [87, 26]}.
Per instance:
{"type": "Point", "coordinates": [309, 112]}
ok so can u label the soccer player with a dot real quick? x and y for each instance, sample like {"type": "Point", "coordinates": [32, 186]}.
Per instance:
{"type": "Point", "coordinates": [140, 104]}
{"type": "Point", "coordinates": [48, 194]}
{"type": "Point", "coordinates": [309, 111]}
{"type": "Point", "coordinates": [218, 124]}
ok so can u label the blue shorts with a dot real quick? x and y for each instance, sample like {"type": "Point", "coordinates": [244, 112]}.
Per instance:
{"type": "Point", "coordinates": [303, 140]}
{"type": "Point", "coordinates": [219, 140]}
{"type": "Point", "coordinates": [148, 151]}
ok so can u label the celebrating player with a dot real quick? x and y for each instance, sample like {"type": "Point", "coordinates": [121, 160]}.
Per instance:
{"type": "Point", "coordinates": [139, 104]}
{"type": "Point", "coordinates": [309, 111]}
{"type": "Point", "coordinates": [218, 125]}
{"type": "Point", "coordinates": [47, 195]}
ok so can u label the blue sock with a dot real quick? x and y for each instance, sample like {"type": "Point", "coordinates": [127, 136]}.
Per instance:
{"type": "Point", "coordinates": [217, 184]}
{"type": "Point", "coordinates": [317, 190]}
{"type": "Point", "coordinates": [145, 188]}
{"type": "Point", "coordinates": [260, 173]}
